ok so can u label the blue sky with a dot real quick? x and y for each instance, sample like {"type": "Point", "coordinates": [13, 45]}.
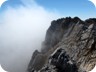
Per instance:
{"type": "Point", "coordinates": [70, 7]}
{"type": "Point", "coordinates": [82, 8]}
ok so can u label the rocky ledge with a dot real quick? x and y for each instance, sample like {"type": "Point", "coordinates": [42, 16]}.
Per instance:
{"type": "Point", "coordinates": [69, 46]}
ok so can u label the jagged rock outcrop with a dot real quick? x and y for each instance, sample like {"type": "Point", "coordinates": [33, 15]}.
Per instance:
{"type": "Point", "coordinates": [69, 46]}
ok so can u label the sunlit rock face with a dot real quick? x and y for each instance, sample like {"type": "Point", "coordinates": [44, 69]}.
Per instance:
{"type": "Point", "coordinates": [69, 46]}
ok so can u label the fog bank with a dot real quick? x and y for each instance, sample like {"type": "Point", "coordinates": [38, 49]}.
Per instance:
{"type": "Point", "coordinates": [22, 30]}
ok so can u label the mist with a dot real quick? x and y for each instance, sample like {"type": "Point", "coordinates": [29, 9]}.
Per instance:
{"type": "Point", "coordinates": [22, 30]}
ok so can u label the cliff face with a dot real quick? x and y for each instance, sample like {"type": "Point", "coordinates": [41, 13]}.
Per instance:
{"type": "Point", "coordinates": [69, 46]}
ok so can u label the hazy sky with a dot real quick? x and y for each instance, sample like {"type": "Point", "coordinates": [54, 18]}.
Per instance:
{"type": "Point", "coordinates": [23, 25]}
{"type": "Point", "coordinates": [82, 8]}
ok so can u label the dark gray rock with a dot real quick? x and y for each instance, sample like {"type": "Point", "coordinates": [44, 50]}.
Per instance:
{"type": "Point", "coordinates": [62, 62]}
{"type": "Point", "coordinates": [69, 46]}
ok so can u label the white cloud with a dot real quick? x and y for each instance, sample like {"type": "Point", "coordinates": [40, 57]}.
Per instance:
{"type": "Point", "coordinates": [94, 69]}
{"type": "Point", "coordinates": [22, 31]}
{"type": "Point", "coordinates": [2, 70]}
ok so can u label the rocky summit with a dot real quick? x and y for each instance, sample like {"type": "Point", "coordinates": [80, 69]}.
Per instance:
{"type": "Point", "coordinates": [69, 46]}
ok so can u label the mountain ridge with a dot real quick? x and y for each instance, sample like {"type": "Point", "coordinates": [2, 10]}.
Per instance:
{"type": "Point", "coordinates": [75, 39]}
